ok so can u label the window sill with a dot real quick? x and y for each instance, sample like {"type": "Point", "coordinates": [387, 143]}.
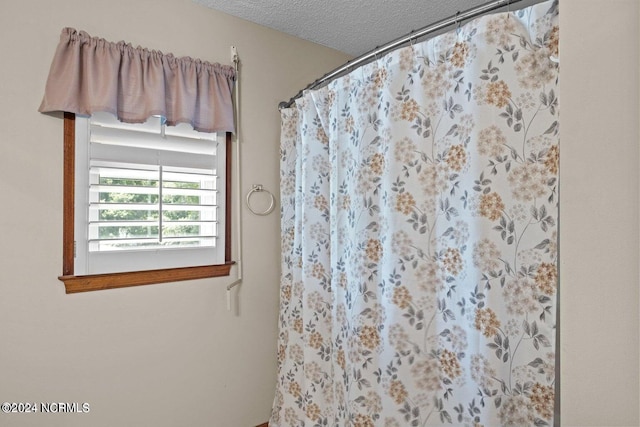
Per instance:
{"type": "Point", "coordinates": [98, 282]}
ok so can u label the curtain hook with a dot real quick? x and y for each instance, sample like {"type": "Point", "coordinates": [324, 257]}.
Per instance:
{"type": "Point", "coordinates": [458, 22]}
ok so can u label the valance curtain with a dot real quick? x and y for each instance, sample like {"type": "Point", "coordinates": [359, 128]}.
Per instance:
{"type": "Point", "coordinates": [419, 235]}
{"type": "Point", "coordinates": [89, 74]}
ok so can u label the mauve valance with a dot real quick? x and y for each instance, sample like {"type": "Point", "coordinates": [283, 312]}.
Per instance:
{"type": "Point", "coordinates": [89, 74]}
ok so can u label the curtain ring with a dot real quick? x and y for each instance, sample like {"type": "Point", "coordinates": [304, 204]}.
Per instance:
{"type": "Point", "coordinates": [257, 188]}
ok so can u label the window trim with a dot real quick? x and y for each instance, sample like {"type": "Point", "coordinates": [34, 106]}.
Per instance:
{"type": "Point", "coordinates": [95, 282]}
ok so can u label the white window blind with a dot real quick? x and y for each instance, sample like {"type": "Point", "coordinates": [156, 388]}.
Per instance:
{"type": "Point", "coordinates": [147, 196]}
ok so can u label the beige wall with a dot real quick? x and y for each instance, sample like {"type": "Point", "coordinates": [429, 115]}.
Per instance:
{"type": "Point", "coordinates": [165, 355]}
{"type": "Point", "coordinates": [172, 354]}
{"type": "Point", "coordinates": [599, 253]}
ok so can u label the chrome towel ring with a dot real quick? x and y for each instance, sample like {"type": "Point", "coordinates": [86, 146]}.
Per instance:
{"type": "Point", "coordinates": [257, 188]}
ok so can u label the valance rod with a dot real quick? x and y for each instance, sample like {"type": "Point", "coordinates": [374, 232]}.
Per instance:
{"type": "Point", "coordinates": [413, 35]}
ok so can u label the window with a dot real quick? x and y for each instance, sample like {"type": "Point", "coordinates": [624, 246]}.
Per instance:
{"type": "Point", "coordinates": [144, 203]}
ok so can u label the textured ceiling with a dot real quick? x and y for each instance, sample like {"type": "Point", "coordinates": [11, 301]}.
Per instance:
{"type": "Point", "coordinates": [350, 26]}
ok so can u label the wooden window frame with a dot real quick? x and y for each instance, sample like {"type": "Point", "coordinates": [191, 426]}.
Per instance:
{"type": "Point", "coordinates": [96, 282]}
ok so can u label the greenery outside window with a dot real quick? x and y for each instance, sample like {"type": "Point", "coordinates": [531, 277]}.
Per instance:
{"type": "Point", "coordinates": [144, 203]}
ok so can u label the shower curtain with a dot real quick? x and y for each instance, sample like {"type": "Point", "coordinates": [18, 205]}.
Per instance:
{"type": "Point", "coordinates": [419, 235]}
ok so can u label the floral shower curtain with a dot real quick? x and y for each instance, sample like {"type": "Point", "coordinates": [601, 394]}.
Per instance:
{"type": "Point", "coordinates": [419, 220]}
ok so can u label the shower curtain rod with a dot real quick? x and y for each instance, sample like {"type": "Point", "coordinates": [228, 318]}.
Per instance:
{"type": "Point", "coordinates": [413, 35]}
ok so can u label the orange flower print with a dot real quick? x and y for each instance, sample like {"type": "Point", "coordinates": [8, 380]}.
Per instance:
{"type": "Point", "coordinates": [374, 250]}
{"type": "Point", "coordinates": [315, 340]}
{"type": "Point", "coordinates": [459, 56]}
{"type": "Point", "coordinates": [294, 389]}
{"type": "Point", "coordinates": [341, 359]}
{"type": "Point", "coordinates": [498, 94]}
{"type": "Point", "coordinates": [349, 124]}
{"type": "Point", "coordinates": [409, 110]}
{"type": "Point", "coordinates": [554, 41]}
{"type": "Point", "coordinates": [287, 240]}
{"type": "Point", "coordinates": [491, 206]}
{"type": "Point", "coordinates": [552, 160]}
{"type": "Point", "coordinates": [297, 325]}
{"type": "Point", "coordinates": [322, 136]}
{"type": "Point", "coordinates": [380, 78]}
{"type": "Point", "coordinates": [369, 337]}
{"type": "Point", "coordinates": [285, 293]}
{"type": "Point", "coordinates": [487, 322]}
{"type": "Point", "coordinates": [376, 163]}
{"type": "Point", "coordinates": [405, 203]}
{"type": "Point", "coordinates": [542, 397]}
{"type": "Point", "coordinates": [330, 98]}
{"type": "Point", "coordinates": [362, 420]}
{"type": "Point", "coordinates": [313, 411]}
{"type": "Point", "coordinates": [546, 278]}
{"type": "Point", "coordinates": [401, 297]}
{"type": "Point", "coordinates": [397, 391]}
{"type": "Point", "coordinates": [343, 280]}
{"type": "Point", "coordinates": [456, 157]}
{"type": "Point", "coordinates": [318, 271]}
{"type": "Point", "coordinates": [372, 402]}
{"type": "Point", "coordinates": [453, 261]}
{"type": "Point", "coordinates": [450, 364]}
{"type": "Point", "coordinates": [320, 202]}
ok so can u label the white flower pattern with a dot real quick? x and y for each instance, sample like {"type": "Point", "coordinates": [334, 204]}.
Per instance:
{"type": "Point", "coordinates": [419, 215]}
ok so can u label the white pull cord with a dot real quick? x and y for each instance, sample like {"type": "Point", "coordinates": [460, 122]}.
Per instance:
{"type": "Point", "coordinates": [235, 60]}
